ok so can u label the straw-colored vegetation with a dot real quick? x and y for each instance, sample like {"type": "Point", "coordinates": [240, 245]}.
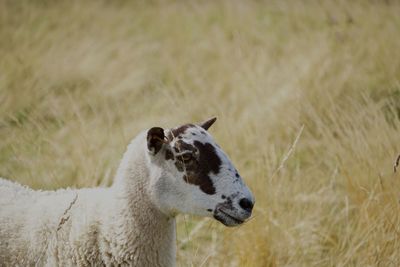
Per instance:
{"type": "Point", "coordinates": [307, 95]}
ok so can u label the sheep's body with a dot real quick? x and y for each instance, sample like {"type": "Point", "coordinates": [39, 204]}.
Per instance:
{"type": "Point", "coordinates": [132, 222]}
{"type": "Point", "coordinates": [100, 226]}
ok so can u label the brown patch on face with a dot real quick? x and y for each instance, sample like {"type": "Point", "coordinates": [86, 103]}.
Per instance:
{"type": "Point", "coordinates": [209, 160]}
{"type": "Point", "coordinates": [198, 173]}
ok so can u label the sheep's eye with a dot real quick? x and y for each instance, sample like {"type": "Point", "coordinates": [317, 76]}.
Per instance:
{"type": "Point", "coordinates": [187, 157]}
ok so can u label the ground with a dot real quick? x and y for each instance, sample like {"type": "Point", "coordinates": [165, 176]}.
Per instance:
{"type": "Point", "coordinates": [307, 96]}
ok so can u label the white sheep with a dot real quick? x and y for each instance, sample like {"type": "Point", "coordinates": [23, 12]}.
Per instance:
{"type": "Point", "coordinates": [133, 221]}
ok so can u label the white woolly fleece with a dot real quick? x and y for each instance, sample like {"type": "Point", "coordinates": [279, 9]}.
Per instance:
{"type": "Point", "coordinates": [119, 225]}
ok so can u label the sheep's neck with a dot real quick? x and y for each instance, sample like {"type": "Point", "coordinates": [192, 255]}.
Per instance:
{"type": "Point", "coordinates": [149, 234]}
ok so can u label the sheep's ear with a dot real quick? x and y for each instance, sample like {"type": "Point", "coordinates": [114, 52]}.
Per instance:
{"type": "Point", "coordinates": [207, 124]}
{"type": "Point", "coordinates": [155, 139]}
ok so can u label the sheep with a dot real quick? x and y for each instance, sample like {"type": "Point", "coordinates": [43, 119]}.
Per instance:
{"type": "Point", "coordinates": [132, 222]}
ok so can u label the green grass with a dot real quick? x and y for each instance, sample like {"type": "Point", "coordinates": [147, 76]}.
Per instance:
{"type": "Point", "coordinates": [79, 79]}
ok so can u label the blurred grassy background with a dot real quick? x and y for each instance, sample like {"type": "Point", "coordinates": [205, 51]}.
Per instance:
{"type": "Point", "coordinates": [79, 79]}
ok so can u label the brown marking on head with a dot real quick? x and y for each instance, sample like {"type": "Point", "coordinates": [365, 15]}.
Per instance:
{"type": "Point", "coordinates": [209, 160]}
{"type": "Point", "coordinates": [198, 172]}
{"type": "Point", "coordinates": [177, 132]}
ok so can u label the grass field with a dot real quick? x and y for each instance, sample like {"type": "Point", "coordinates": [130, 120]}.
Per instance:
{"type": "Point", "coordinates": [307, 95]}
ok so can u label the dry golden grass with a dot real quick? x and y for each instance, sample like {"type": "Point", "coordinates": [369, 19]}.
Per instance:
{"type": "Point", "coordinates": [78, 80]}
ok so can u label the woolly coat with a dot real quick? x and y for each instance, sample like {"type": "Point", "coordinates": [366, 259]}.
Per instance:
{"type": "Point", "coordinates": [119, 225]}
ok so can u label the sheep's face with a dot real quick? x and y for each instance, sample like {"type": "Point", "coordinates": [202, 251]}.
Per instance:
{"type": "Point", "coordinates": [195, 176]}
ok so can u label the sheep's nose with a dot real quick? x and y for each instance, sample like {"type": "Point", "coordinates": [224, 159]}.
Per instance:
{"type": "Point", "coordinates": [246, 204]}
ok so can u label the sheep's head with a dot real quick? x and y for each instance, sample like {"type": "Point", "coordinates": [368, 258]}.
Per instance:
{"type": "Point", "coordinates": [195, 176]}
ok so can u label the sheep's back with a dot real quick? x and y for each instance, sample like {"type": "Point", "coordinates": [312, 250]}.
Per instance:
{"type": "Point", "coordinates": [29, 220]}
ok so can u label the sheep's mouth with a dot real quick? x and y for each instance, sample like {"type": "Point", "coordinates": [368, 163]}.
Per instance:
{"type": "Point", "coordinates": [226, 218]}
